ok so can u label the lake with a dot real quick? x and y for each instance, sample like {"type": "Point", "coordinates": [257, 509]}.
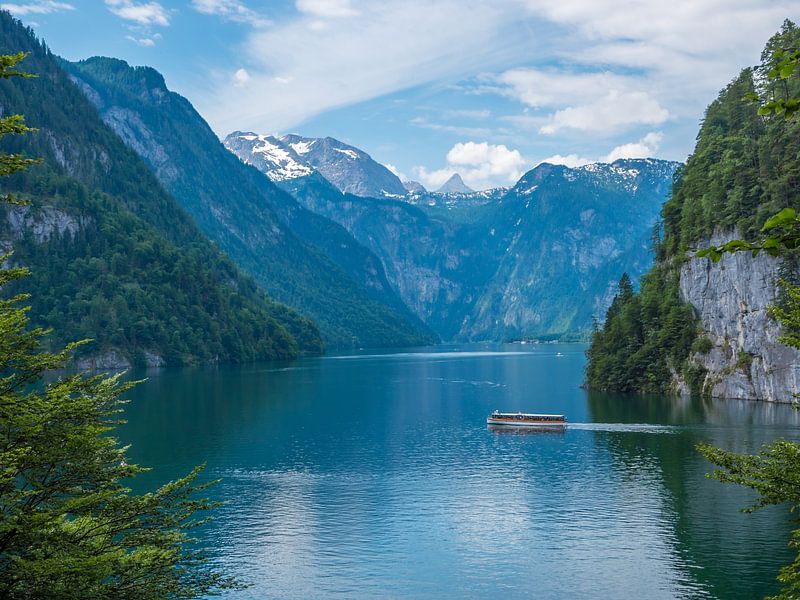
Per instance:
{"type": "Point", "coordinates": [374, 475]}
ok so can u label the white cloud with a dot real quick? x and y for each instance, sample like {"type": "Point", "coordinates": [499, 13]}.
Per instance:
{"type": "Point", "coordinates": [241, 77]}
{"type": "Point", "coordinates": [480, 165]}
{"type": "Point", "coordinates": [461, 130]}
{"type": "Point", "coordinates": [326, 9]}
{"type": "Point", "coordinates": [43, 7]}
{"type": "Point", "coordinates": [570, 160]}
{"type": "Point", "coordinates": [685, 52]}
{"type": "Point", "coordinates": [645, 147]}
{"type": "Point", "coordinates": [613, 112]}
{"type": "Point", "coordinates": [544, 88]}
{"type": "Point", "coordinates": [389, 46]}
{"type": "Point", "coordinates": [484, 113]}
{"type": "Point", "coordinates": [433, 180]}
{"type": "Point", "coordinates": [621, 64]}
{"type": "Point", "coordinates": [592, 101]}
{"type": "Point", "coordinates": [141, 13]}
{"type": "Point", "coordinates": [147, 42]}
{"type": "Point", "coordinates": [231, 10]}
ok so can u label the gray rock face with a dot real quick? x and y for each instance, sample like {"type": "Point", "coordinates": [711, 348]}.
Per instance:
{"type": "Point", "coordinates": [732, 298]}
{"type": "Point", "coordinates": [114, 359]}
{"type": "Point", "coordinates": [414, 187]}
{"type": "Point", "coordinates": [455, 185]}
{"type": "Point", "coordinates": [540, 259]}
{"type": "Point", "coordinates": [349, 169]}
{"type": "Point", "coordinates": [44, 223]}
{"type": "Point", "coordinates": [109, 360]}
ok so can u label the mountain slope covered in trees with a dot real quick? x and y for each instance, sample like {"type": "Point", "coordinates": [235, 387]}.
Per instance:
{"type": "Point", "coordinates": [700, 325]}
{"type": "Point", "coordinates": [113, 257]}
{"type": "Point", "coordinates": [300, 258]}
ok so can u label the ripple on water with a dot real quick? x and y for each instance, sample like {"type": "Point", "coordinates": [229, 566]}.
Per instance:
{"type": "Point", "coordinates": [376, 477]}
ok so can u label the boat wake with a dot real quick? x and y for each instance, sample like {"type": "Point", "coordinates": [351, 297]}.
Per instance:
{"type": "Point", "coordinates": [487, 383]}
{"type": "Point", "coordinates": [625, 427]}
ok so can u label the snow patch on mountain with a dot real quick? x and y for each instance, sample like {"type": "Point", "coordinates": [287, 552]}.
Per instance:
{"type": "Point", "coordinates": [302, 147]}
{"type": "Point", "coordinates": [277, 160]}
{"type": "Point", "coordinates": [292, 156]}
{"type": "Point", "coordinates": [349, 153]}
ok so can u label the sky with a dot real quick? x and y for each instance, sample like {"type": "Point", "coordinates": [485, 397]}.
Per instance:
{"type": "Point", "coordinates": [433, 87]}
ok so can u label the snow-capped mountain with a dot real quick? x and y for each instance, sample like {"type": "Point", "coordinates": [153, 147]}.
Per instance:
{"type": "Point", "coordinates": [349, 169]}
{"type": "Point", "coordinates": [541, 258]}
{"type": "Point", "coordinates": [271, 156]}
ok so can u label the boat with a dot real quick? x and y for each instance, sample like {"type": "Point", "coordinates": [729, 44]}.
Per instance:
{"type": "Point", "coordinates": [520, 419]}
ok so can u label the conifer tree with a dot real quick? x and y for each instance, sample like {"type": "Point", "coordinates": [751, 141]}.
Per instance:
{"type": "Point", "coordinates": [774, 473]}
{"type": "Point", "coordinates": [69, 527]}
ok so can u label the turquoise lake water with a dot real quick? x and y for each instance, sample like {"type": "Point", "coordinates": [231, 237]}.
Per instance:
{"type": "Point", "coordinates": [374, 475]}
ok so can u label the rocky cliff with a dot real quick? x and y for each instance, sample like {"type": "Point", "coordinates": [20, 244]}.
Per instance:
{"type": "Point", "coordinates": [539, 259]}
{"type": "Point", "coordinates": [732, 298]}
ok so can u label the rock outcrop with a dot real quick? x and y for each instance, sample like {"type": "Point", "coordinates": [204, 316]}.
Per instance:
{"type": "Point", "coordinates": [732, 298]}
{"type": "Point", "coordinates": [44, 223]}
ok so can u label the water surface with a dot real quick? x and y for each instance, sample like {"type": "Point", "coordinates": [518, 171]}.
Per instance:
{"type": "Point", "coordinates": [374, 475]}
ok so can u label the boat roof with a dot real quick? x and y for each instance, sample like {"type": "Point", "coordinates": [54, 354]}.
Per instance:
{"type": "Point", "coordinates": [514, 414]}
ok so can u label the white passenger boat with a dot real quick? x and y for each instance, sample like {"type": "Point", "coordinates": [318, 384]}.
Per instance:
{"type": "Point", "coordinates": [520, 419]}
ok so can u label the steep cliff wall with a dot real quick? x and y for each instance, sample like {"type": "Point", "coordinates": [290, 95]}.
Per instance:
{"type": "Point", "coordinates": [731, 297]}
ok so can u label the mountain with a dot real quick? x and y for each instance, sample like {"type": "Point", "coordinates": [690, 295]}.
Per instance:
{"type": "Point", "coordinates": [565, 237]}
{"type": "Point", "coordinates": [269, 155]}
{"type": "Point", "coordinates": [702, 327]}
{"type": "Point", "coordinates": [539, 259]}
{"type": "Point", "coordinates": [113, 257]}
{"type": "Point", "coordinates": [436, 265]}
{"type": "Point", "coordinates": [415, 187]}
{"type": "Point", "coordinates": [349, 169]}
{"type": "Point", "coordinates": [299, 258]}
{"type": "Point", "coordinates": [455, 185]}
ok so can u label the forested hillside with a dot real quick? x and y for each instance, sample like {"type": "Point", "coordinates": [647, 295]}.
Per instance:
{"type": "Point", "coordinates": [300, 258]}
{"type": "Point", "coordinates": [743, 170]}
{"type": "Point", "coordinates": [113, 257]}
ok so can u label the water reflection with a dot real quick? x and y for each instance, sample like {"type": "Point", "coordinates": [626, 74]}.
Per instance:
{"type": "Point", "coordinates": [711, 534]}
{"type": "Point", "coordinates": [538, 430]}
{"type": "Point", "coordinates": [377, 476]}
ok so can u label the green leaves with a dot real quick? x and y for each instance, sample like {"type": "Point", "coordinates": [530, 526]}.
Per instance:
{"type": "Point", "coordinates": [785, 218]}
{"type": "Point", "coordinates": [774, 474]}
{"type": "Point", "coordinates": [784, 63]}
{"type": "Point", "coordinates": [8, 62]}
{"type": "Point", "coordinates": [69, 528]}
{"type": "Point", "coordinates": [781, 67]}
{"type": "Point", "coordinates": [785, 226]}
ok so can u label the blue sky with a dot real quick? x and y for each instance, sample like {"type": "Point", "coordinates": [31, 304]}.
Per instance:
{"type": "Point", "coordinates": [432, 87]}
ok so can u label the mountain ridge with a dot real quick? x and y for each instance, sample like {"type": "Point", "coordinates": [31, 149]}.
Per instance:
{"type": "Point", "coordinates": [300, 258]}
{"type": "Point", "coordinates": [349, 169]}
{"type": "Point", "coordinates": [480, 266]}
{"type": "Point", "coordinates": [113, 257]}
{"type": "Point", "coordinates": [455, 185]}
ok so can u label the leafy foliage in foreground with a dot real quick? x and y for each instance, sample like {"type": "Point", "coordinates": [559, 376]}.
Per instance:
{"type": "Point", "coordinates": [68, 527]}
{"type": "Point", "coordinates": [774, 474]}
